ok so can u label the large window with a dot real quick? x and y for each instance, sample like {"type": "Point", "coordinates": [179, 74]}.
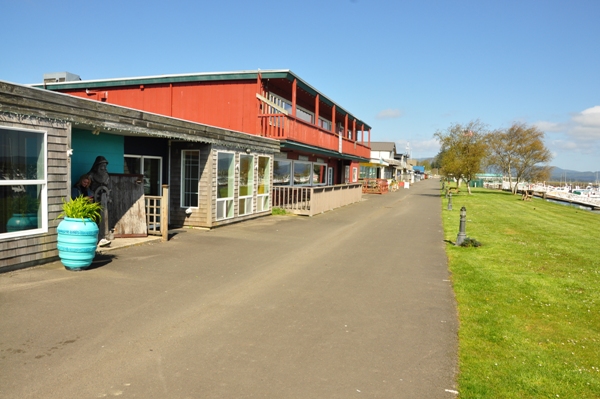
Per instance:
{"type": "Point", "coordinates": [301, 113]}
{"type": "Point", "coordinates": [23, 182]}
{"type": "Point", "coordinates": [263, 202]}
{"type": "Point", "coordinates": [368, 172]}
{"type": "Point", "coordinates": [299, 173]}
{"type": "Point", "coordinates": [246, 184]}
{"type": "Point", "coordinates": [225, 184]}
{"type": "Point", "coordinates": [282, 171]}
{"type": "Point", "coordinates": [319, 177]}
{"type": "Point", "coordinates": [190, 175]}
{"type": "Point", "coordinates": [302, 173]}
{"type": "Point", "coordinates": [150, 167]}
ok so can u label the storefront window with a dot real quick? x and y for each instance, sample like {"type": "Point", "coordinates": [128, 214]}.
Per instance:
{"type": "Point", "coordinates": [319, 174]}
{"type": "Point", "coordinates": [263, 202]}
{"type": "Point", "coordinates": [246, 182]}
{"type": "Point", "coordinates": [225, 184]}
{"type": "Point", "coordinates": [302, 173]}
{"type": "Point", "coordinates": [281, 173]}
{"type": "Point", "coordinates": [22, 182]}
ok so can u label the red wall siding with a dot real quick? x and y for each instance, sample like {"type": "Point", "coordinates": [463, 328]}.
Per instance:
{"type": "Point", "coordinates": [230, 105]}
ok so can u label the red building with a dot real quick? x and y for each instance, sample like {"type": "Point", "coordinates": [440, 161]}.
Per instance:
{"type": "Point", "coordinates": [321, 143]}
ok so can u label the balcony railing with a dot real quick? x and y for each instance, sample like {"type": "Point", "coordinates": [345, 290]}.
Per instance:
{"type": "Point", "coordinates": [280, 126]}
{"type": "Point", "coordinates": [309, 201]}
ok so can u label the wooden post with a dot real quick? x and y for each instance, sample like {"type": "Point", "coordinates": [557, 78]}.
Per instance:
{"type": "Point", "coordinates": [164, 213]}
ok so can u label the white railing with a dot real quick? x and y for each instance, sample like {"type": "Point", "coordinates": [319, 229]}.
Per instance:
{"type": "Point", "coordinates": [309, 201]}
{"type": "Point", "coordinates": [157, 213]}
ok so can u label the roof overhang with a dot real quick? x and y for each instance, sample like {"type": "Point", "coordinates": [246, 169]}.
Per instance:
{"type": "Point", "coordinates": [292, 145]}
{"type": "Point", "coordinates": [196, 77]}
{"type": "Point", "coordinates": [114, 119]}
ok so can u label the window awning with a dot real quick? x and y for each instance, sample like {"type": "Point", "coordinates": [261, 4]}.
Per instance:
{"type": "Point", "coordinates": [291, 145]}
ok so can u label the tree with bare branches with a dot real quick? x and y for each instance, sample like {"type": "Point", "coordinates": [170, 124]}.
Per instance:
{"type": "Point", "coordinates": [519, 153]}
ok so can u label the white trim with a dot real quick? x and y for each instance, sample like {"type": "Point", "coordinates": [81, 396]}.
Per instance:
{"type": "Point", "coordinates": [182, 180]}
{"type": "Point", "coordinates": [41, 183]}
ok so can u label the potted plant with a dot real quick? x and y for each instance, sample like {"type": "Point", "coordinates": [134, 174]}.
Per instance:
{"type": "Point", "coordinates": [78, 232]}
{"type": "Point", "coordinates": [24, 217]}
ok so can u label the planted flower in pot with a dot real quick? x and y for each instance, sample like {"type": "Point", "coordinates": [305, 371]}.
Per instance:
{"type": "Point", "coordinates": [78, 232]}
{"type": "Point", "coordinates": [25, 210]}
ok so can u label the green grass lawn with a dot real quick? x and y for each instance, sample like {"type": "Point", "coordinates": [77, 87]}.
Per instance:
{"type": "Point", "coordinates": [528, 298]}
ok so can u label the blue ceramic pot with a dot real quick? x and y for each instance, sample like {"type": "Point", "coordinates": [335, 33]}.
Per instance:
{"type": "Point", "coordinates": [21, 221]}
{"type": "Point", "coordinates": [77, 241]}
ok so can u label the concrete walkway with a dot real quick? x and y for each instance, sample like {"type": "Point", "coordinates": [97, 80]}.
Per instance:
{"type": "Point", "coordinates": [354, 303]}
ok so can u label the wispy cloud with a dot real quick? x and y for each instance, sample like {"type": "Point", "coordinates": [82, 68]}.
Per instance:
{"type": "Point", "coordinates": [389, 114]}
{"type": "Point", "coordinates": [581, 133]}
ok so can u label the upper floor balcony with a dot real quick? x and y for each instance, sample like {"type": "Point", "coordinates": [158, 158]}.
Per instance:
{"type": "Point", "coordinates": [277, 121]}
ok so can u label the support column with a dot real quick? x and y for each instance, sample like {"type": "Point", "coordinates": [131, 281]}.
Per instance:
{"type": "Point", "coordinates": [317, 98]}
{"type": "Point", "coordinates": [294, 87]}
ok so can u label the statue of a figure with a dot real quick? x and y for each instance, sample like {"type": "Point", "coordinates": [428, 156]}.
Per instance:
{"type": "Point", "coordinates": [99, 185]}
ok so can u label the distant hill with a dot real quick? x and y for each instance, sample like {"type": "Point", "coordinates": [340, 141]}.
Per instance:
{"type": "Point", "coordinates": [559, 174]}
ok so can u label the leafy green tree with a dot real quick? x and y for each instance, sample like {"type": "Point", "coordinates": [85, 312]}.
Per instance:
{"type": "Point", "coordinates": [519, 153]}
{"type": "Point", "coordinates": [462, 151]}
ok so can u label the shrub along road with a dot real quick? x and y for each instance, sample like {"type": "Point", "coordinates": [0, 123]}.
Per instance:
{"type": "Point", "coordinates": [351, 303]}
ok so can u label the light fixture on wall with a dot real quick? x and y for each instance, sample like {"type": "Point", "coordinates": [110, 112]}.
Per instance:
{"type": "Point", "coordinates": [248, 150]}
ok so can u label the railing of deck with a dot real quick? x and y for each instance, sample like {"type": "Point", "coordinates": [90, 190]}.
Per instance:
{"type": "Point", "coordinates": [157, 213]}
{"type": "Point", "coordinates": [280, 126]}
{"type": "Point", "coordinates": [309, 201]}
{"type": "Point", "coordinates": [375, 186]}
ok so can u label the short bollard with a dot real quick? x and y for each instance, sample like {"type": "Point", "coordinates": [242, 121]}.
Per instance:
{"type": "Point", "coordinates": [462, 229]}
{"type": "Point", "coordinates": [450, 201]}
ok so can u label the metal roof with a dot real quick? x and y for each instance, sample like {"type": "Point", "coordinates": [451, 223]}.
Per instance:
{"type": "Point", "coordinates": [196, 77]}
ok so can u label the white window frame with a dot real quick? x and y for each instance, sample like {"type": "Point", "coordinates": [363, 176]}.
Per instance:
{"type": "Point", "coordinates": [249, 197]}
{"type": "Point", "coordinates": [184, 177]}
{"type": "Point", "coordinates": [314, 183]}
{"type": "Point", "coordinates": [226, 203]}
{"type": "Point", "coordinates": [263, 201]}
{"type": "Point", "coordinates": [287, 161]}
{"type": "Point", "coordinates": [293, 177]}
{"type": "Point", "coordinates": [41, 183]}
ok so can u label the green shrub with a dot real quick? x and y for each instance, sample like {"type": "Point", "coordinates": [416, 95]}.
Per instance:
{"type": "Point", "coordinates": [470, 242]}
{"type": "Point", "coordinates": [278, 211]}
{"type": "Point", "coordinates": [81, 208]}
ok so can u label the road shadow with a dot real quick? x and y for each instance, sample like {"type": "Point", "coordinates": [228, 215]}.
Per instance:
{"type": "Point", "coordinates": [101, 260]}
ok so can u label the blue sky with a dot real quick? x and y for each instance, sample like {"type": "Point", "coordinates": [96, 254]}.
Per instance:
{"type": "Point", "coordinates": [408, 68]}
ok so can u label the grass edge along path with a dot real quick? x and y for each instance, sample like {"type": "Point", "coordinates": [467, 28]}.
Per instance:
{"type": "Point", "coordinates": [528, 299]}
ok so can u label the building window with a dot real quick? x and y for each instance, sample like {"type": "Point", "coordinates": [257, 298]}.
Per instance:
{"type": "Point", "coordinates": [302, 173]}
{"type": "Point", "coordinates": [190, 175]}
{"type": "Point", "coordinates": [150, 167]}
{"type": "Point", "coordinates": [354, 175]}
{"type": "Point", "coordinates": [301, 113]}
{"type": "Point", "coordinates": [325, 124]}
{"type": "Point", "coordinates": [368, 172]}
{"type": "Point", "coordinates": [23, 182]}
{"type": "Point", "coordinates": [225, 184]}
{"type": "Point", "coordinates": [263, 202]}
{"type": "Point", "coordinates": [246, 184]}
{"type": "Point", "coordinates": [282, 170]}
{"type": "Point", "coordinates": [319, 177]}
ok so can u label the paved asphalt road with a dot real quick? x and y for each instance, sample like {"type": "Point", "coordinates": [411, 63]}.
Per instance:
{"type": "Point", "coordinates": [354, 303]}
